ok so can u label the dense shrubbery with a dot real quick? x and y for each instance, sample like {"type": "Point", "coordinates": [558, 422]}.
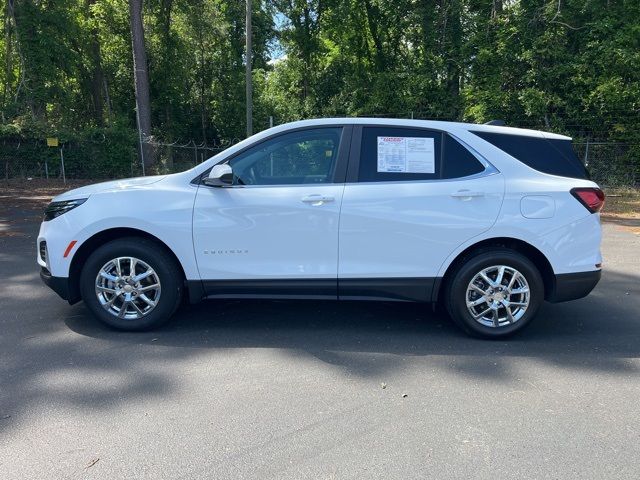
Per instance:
{"type": "Point", "coordinates": [91, 153]}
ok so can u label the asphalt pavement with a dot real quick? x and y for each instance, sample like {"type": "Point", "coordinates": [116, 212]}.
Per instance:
{"type": "Point", "coordinates": [316, 390]}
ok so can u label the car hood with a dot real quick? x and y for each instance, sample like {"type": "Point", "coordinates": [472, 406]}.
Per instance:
{"type": "Point", "coordinates": [115, 185]}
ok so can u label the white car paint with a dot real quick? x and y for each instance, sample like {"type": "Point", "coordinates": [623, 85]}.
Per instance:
{"type": "Point", "coordinates": [278, 231]}
{"type": "Point", "coordinates": [162, 208]}
{"type": "Point", "coordinates": [392, 229]}
{"type": "Point", "coordinates": [408, 229]}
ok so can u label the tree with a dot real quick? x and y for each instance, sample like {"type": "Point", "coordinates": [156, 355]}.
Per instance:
{"type": "Point", "coordinates": [68, 66]}
{"type": "Point", "coordinates": [141, 78]}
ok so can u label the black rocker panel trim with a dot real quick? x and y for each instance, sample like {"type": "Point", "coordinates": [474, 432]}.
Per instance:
{"type": "Point", "coordinates": [395, 289]}
{"type": "Point", "coordinates": [278, 288]}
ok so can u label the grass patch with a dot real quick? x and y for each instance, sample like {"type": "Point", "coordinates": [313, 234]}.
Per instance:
{"type": "Point", "coordinates": [622, 203]}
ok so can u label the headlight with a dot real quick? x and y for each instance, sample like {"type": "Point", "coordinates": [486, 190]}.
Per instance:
{"type": "Point", "coordinates": [55, 209]}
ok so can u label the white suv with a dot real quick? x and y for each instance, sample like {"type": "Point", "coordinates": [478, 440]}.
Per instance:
{"type": "Point", "coordinates": [487, 220]}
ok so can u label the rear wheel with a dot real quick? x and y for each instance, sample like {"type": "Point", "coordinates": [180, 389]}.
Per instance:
{"type": "Point", "coordinates": [494, 293]}
{"type": "Point", "coordinates": [131, 284]}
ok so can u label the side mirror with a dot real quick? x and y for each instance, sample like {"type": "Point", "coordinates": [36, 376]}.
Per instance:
{"type": "Point", "coordinates": [220, 176]}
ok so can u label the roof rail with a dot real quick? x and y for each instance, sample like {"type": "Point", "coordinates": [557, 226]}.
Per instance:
{"type": "Point", "coordinates": [497, 123]}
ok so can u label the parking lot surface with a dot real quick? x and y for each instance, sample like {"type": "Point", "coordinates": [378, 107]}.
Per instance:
{"type": "Point", "coordinates": [320, 390]}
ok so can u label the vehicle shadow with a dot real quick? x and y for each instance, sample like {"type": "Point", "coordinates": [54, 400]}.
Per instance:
{"type": "Point", "coordinates": [55, 357]}
{"type": "Point", "coordinates": [600, 332]}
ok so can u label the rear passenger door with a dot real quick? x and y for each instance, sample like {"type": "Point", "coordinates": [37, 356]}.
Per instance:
{"type": "Point", "coordinates": [412, 196]}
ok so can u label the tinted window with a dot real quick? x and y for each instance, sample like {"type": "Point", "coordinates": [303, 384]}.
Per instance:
{"type": "Point", "coordinates": [392, 154]}
{"type": "Point", "coordinates": [303, 156]}
{"type": "Point", "coordinates": [555, 157]}
{"type": "Point", "coordinates": [458, 161]}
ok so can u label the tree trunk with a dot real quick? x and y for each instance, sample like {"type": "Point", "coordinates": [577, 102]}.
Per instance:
{"type": "Point", "coordinates": [373, 18]}
{"type": "Point", "coordinates": [248, 74]}
{"type": "Point", "coordinates": [167, 62]}
{"type": "Point", "coordinates": [96, 77]}
{"type": "Point", "coordinates": [453, 48]}
{"type": "Point", "coordinates": [496, 8]}
{"type": "Point", "coordinates": [141, 78]}
{"type": "Point", "coordinates": [8, 56]}
{"type": "Point", "coordinates": [22, 71]}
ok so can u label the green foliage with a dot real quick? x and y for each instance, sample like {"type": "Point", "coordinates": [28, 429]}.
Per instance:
{"type": "Point", "coordinates": [570, 66]}
{"type": "Point", "coordinates": [102, 152]}
{"type": "Point", "coordinates": [96, 152]}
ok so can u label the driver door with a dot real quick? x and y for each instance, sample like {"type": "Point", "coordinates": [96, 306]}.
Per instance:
{"type": "Point", "coordinates": [274, 231]}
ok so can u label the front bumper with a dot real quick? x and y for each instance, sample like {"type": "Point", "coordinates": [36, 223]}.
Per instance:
{"type": "Point", "coordinates": [60, 285]}
{"type": "Point", "coordinates": [571, 286]}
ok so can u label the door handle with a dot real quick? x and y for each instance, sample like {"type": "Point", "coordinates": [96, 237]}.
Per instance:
{"type": "Point", "coordinates": [317, 199]}
{"type": "Point", "coordinates": [462, 194]}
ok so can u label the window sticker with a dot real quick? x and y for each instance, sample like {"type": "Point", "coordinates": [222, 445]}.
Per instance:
{"type": "Point", "coordinates": [406, 155]}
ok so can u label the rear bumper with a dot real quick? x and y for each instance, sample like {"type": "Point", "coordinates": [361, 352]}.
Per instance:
{"type": "Point", "coordinates": [60, 285]}
{"type": "Point", "coordinates": [571, 286]}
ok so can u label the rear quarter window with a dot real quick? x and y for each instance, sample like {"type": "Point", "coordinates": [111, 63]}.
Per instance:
{"type": "Point", "coordinates": [551, 156]}
{"type": "Point", "coordinates": [458, 161]}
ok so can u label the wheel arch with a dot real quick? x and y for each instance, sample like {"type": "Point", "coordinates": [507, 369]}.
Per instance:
{"type": "Point", "coordinates": [532, 253]}
{"type": "Point", "coordinates": [100, 238]}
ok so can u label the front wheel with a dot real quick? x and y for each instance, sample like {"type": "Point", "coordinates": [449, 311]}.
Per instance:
{"type": "Point", "coordinates": [131, 284]}
{"type": "Point", "coordinates": [494, 293]}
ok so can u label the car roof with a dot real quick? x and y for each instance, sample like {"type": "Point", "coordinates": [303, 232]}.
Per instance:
{"type": "Point", "coordinates": [434, 124]}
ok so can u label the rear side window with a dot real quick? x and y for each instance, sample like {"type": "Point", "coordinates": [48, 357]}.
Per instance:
{"type": "Point", "coordinates": [391, 154]}
{"type": "Point", "coordinates": [552, 156]}
{"type": "Point", "coordinates": [458, 161]}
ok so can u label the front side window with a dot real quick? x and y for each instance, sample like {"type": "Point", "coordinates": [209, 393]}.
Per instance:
{"type": "Point", "coordinates": [300, 157]}
{"type": "Point", "coordinates": [394, 154]}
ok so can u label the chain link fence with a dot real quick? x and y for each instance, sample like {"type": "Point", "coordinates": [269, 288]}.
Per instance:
{"type": "Point", "coordinates": [23, 159]}
{"type": "Point", "coordinates": [175, 157]}
{"type": "Point", "coordinates": [610, 164]}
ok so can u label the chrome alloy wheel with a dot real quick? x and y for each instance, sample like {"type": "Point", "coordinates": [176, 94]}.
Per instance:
{"type": "Point", "coordinates": [497, 296]}
{"type": "Point", "coordinates": [128, 288]}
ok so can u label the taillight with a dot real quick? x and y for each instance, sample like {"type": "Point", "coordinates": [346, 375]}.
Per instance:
{"type": "Point", "coordinates": [591, 198]}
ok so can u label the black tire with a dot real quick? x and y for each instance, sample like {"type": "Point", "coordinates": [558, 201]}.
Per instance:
{"type": "Point", "coordinates": [455, 294]}
{"type": "Point", "coordinates": [155, 256]}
